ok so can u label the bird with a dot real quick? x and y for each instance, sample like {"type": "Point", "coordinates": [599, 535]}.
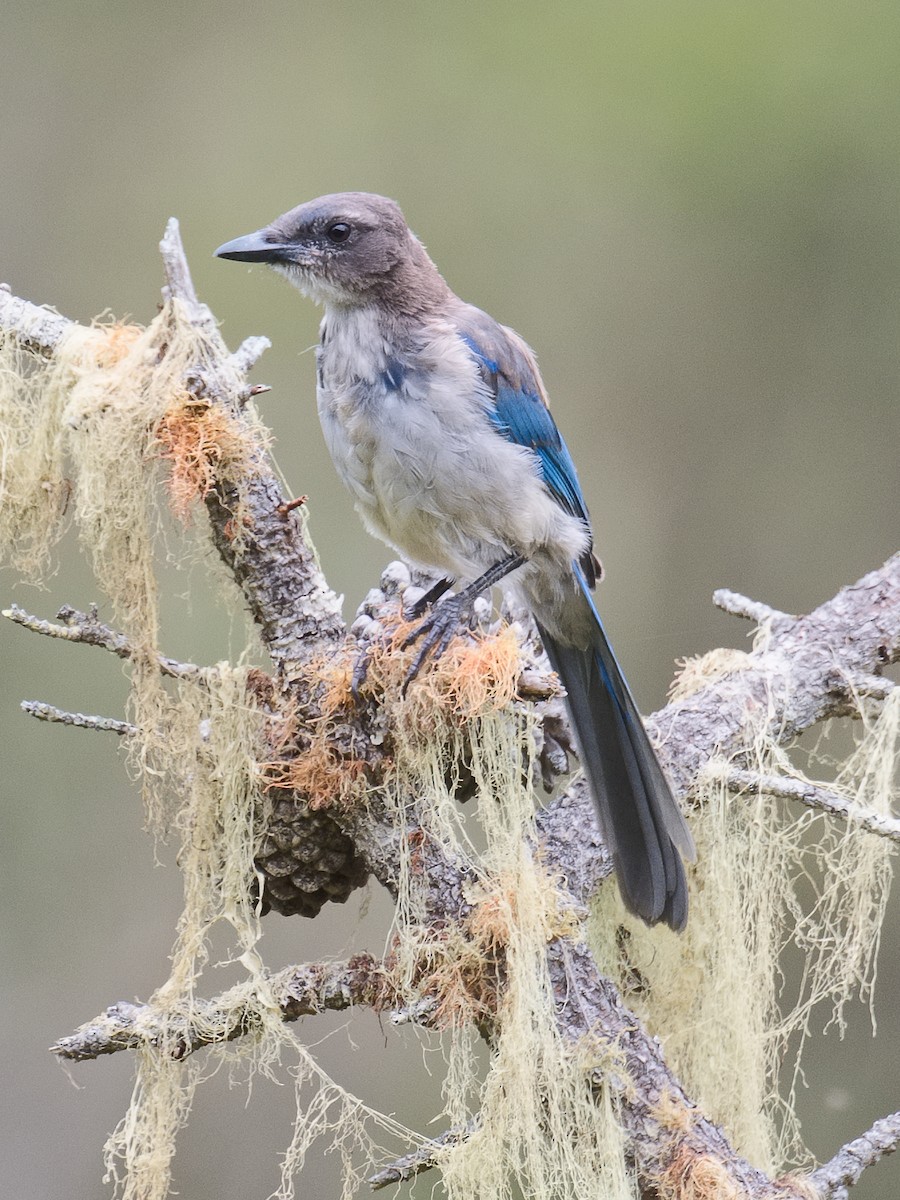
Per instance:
{"type": "Point", "coordinates": [439, 424]}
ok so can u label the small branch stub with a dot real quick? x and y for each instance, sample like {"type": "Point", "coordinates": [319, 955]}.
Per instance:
{"type": "Point", "coordinates": [59, 716]}
{"type": "Point", "coordinates": [751, 610]}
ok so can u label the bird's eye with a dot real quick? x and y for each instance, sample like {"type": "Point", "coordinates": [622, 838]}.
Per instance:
{"type": "Point", "coordinates": [338, 232]}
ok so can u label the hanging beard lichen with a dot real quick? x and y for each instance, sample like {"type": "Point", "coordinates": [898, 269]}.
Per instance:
{"type": "Point", "coordinates": [212, 768]}
{"type": "Point", "coordinates": [536, 1129]}
{"type": "Point", "coordinates": [767, 878]}
{"type": "Point", "coordinates": [80, 438]}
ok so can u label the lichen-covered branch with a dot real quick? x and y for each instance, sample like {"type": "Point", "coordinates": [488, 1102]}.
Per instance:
{"type": "Point", "coordinates": [814, 796]}
{"type": "Point", "coordinates": [802, 670]}
{"type": "Point", "coordinates": [408, 1166]}
{"type": "Point", "coordinates": [743, 606]}
{"type": "Point", "coordinates": [37, 329]}
{"type": "Point", "coordinates": [270, 556]}
{"type": "Point", "coordinates": [298, 991]}
{"type": "Point", "coordinates": [88, 630]}
{"type": "Point", "coordinates": [42, 711]}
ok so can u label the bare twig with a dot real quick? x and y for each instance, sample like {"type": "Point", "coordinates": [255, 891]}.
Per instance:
{"type": "Point", "coordinates": [743, 606]}
{"type": "Point", "coordinates": [179, 285]}
{"type": "Point", "coordinates": [298, 991]}
{"type": "Point", "coordinates": [49, 712]}
{"type": "Point", "coordinates": [89, 630]}
{"type": "Point", "coordinates": [833, 1178]}
{"type": "Point", "coordinates": [423, 1159]}
{"type": "Point", "coordinates": [248, 354]}
{"type": "Point", "coordinates": [814, 796]}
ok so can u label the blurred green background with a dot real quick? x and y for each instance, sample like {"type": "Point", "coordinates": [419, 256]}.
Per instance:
{"type": "Point", "coordinates": [689, 209]}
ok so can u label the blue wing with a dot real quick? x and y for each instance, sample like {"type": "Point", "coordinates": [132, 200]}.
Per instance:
{"type": "Point", "coordinates": [521, 414]}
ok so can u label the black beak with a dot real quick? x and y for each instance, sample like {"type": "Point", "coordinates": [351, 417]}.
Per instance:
{"type": "Point", "coordinates": [253, 247]}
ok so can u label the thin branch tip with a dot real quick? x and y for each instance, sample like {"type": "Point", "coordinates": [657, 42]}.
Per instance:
{"type": "Point", "coordinates": [833, 1179]}
{"type": "Point", "coordinates": [87, 629]}
{"type": "Point", "coordinates": [813, 795]}
{"type": "Point", "coordinates": [248, 354]}
{"type": "Point", "coordinates": [417, 1161]}
{"type": "Point", "coordinates": [179, 284]}
{"type": "Point", "coordinates": [42, 711]}
{"type": "Point", "coordinates": [739, 605]}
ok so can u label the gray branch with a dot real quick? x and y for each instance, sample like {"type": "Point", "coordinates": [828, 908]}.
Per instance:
{"type": "Point", "coordinates": [409, 1165]}
{"type": "Point", "coordinates": [806, 669]}
{"type": "Point", "coordinates": [59, 716]}
{"type": "Point", "coordinates": [814, 796]}
{"type": "Point", "coordinates": [88, 630]}
{"type": "Point", "coordinates": [298, 991]}
{"type": "Point", "coordinates": [833, 1179]}
{"type": "Point", "coordinates": [248, 355]}
{"type": "Point", "coordinates": [743, 606]}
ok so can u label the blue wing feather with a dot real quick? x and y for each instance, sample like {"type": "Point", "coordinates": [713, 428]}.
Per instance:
{"type": "Point", "coordinates": [520, 413]}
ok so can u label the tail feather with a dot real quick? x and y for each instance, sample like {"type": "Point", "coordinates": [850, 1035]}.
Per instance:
{"type": "Point", "coordinates": [637, 813]}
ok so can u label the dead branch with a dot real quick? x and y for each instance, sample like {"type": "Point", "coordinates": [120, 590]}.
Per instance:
{"type": "Point", "coordinates": [298, 991]}
{"type": "Point", "coordinates": [804, 669]}
{"type": "Point", "coordinates": [833, 1179]}
{"type": "Point", "coordinates": [814, 796]}
{"type": "Point", "coordinates": [89, 630]}
{"type": "Point", "coordinates": [42, 711]}
{"type": "Point", "coordinates": [412, 1164]}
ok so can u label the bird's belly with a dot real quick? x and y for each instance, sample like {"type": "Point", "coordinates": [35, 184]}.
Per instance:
{"type": "Point", "coordinates": [416, 483]}
{"type": "Point", "coordinates": [403, 487]}
{"type": "Point", "coordinates": [436, 481]}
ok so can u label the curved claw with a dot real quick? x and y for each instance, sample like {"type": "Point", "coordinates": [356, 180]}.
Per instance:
{"type": "Point", "coordinates": [437, 631]}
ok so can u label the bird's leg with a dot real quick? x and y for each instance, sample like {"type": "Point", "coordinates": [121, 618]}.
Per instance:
{"type": "Point", "coordinates": [424, 602]}
{"type": "Point", "coordinates": [440, 625]}
{"type": "Point", "coordinates": [361, 666]}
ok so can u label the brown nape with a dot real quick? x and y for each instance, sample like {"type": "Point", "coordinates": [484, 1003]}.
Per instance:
{"type": "Point", "coordinates": [414, 284]}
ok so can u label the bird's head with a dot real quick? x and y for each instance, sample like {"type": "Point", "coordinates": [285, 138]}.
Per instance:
{"type": "Point", "coordinates": [345, 249]}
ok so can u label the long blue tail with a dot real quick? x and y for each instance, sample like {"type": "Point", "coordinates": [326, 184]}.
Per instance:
{"type": "Point", "coordinates": [638, 815]}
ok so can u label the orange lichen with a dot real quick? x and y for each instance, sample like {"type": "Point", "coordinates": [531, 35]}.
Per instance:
{"type": "Point", "coordinates": [280, 712]}
{"type": "Point", "coordinates": [492, 918]}
{"type": "Point", "coordinates": [202, 442]}
{"type": "Point", "coordinates": [672, 1113]}
{"type": "Point", "coordinates": [335, 677]}
{"type": "Point", "coordinates": [799, 1186]}
{"type": "Point", "coordinates": [321, 774]}
{"type": "Point", "coordinates": [114, 343]}
{"type": "Point", "coordinates": [309, 745]}
{"type": "Point", "coordinates": [496, 912]}
{"type": "Point", "coordinates": [695, 1176]}
{"type": "Point", "coordinates": [476, 674]}
{"type": "Point", "coordinates": [451, 970]}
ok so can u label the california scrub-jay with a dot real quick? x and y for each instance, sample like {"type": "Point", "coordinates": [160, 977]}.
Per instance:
{"type": "Point", "coordinates": [437, 420]}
